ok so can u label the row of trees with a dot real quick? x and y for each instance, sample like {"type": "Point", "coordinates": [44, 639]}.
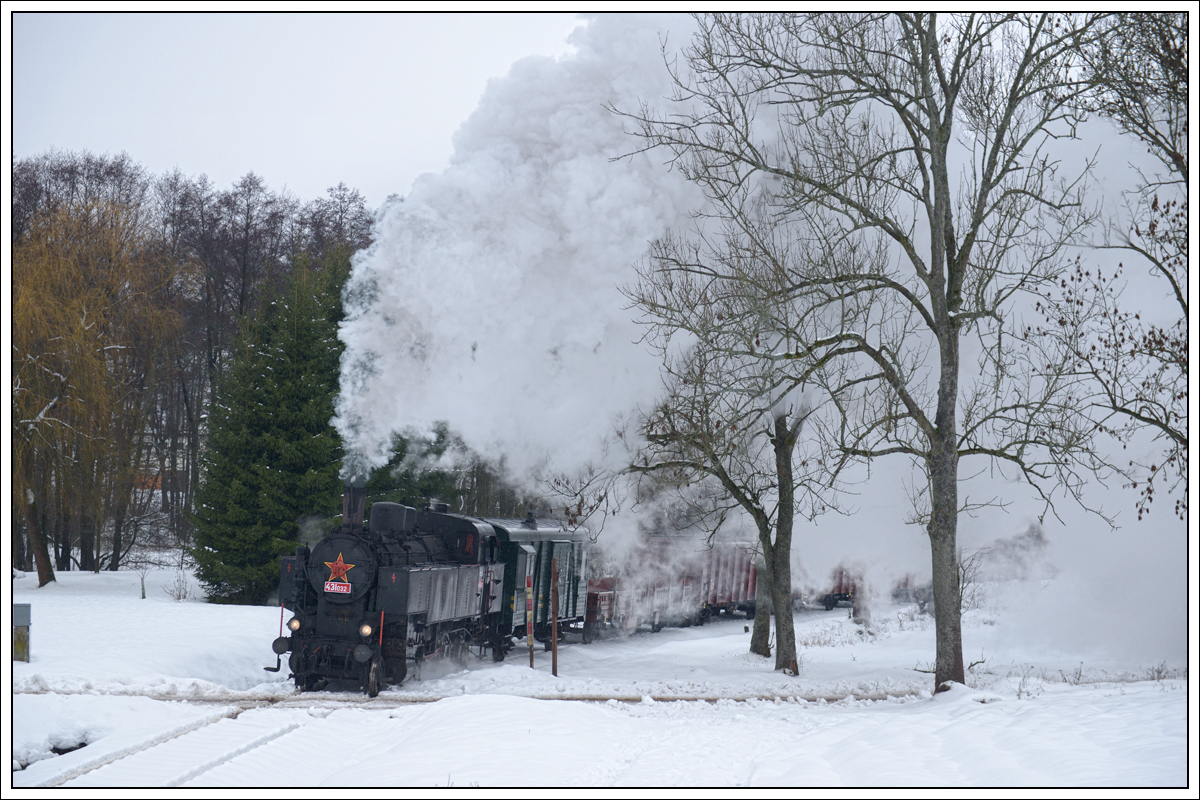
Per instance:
{"type": "Point", "coordinates": [130, 293]}
{"type": "Point", "coordinates": [175, 365]}
{"type": "Point", "coordinates": [886, 197]}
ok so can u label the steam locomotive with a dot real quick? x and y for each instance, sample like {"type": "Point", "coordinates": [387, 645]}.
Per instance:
{"type": "Point", "coordinates": [408, 586]}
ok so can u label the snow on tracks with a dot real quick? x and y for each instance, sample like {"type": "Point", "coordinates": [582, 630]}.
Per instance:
{"type": "Point", "coordinates": [110, 749]}
{"type": "Point", "coordinates": [186, 757]}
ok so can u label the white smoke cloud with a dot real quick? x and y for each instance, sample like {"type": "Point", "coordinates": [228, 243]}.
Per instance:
{"type": "Point", "coordinates": [490, 299]}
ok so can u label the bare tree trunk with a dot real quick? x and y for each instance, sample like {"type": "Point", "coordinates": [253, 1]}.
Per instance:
{"type": "Point", "coordinates": [946, 613]}
{"type": "Point", "coordinates": [760, 639]}
{"type": "Point", "coordinates": [785, 628]}
{"type": "Point", "coordinates": [118, 528]}
{"type": "Point", "coordinates": [66, 533]}
{"type": "Point", "coordinates": [19, 550]}
{"type": "Point", "coordinates": [943, 524]}
{"type": "Point", "coordinates": [37, 543]}
{"type": "Point", "coordinates": [166, 480]}
{"type": "Point", "coordinates": [37, 537]}
{"type": "Point", "coordinates": [781, 564]}
{"type": "Point", "coordinates": [88, 533]}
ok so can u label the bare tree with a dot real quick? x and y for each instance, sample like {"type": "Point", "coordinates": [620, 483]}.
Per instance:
{"type": "Point", "coordinates": [339, 221]}
{"type": "Point", "coordinates": [1139, 368]}
{"type": "Point", "coordinates": [88, 319]}
{"type": "Point", "coordinates": [255, 229]}
{"type": "Point", "coordinates": [728, 426]}
{"type": "Point", "coordinates": [911, 157]}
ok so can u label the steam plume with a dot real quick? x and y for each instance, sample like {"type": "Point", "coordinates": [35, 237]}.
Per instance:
{"type": "Point", "coordinates": [490, 297]}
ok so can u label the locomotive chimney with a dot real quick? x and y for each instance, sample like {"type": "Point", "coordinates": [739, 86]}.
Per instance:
{"type": "Point", "coordinates": [354, 501]}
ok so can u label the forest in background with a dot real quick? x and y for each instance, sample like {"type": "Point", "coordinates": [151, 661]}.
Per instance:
{"type": "Point", "coordinates": [147, 307]}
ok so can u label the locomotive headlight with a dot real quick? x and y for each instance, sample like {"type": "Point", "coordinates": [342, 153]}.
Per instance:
{"type": "Point", "coordinates": [294, 624]}
{"type": "Point", "coordinates": [364, 629]}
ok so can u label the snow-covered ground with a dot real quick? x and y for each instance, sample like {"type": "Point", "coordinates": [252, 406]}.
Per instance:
{"type": "Point", "coordinates": [167, 693]}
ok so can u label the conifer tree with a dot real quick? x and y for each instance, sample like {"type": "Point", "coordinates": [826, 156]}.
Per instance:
{"type": "Point", "coordinates": [273, 457]}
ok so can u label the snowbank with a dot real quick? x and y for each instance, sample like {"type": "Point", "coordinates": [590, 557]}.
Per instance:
{"type": "Point", "coordinates": [165, 693]}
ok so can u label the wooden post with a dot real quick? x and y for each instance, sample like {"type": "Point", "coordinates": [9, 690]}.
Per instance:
{"type": "Point", "coordinates": [554, 622]}
{"type": "Point", "coordinates": [529, 616]}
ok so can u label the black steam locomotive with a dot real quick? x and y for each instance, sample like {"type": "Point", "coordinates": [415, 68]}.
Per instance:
{"type": "Point", "coordinates": [408, 586]}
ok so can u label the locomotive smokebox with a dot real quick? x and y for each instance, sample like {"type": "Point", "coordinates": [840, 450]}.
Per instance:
{"type": "Point", "coordinates": [354, 501]}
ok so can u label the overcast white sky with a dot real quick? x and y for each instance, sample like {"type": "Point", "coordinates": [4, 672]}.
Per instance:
{"type": "Point", "coordinates": [304, 100]}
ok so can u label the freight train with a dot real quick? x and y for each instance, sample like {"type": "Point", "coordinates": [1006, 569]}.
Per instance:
{"type": "Point", "coordinates": [408, 586]}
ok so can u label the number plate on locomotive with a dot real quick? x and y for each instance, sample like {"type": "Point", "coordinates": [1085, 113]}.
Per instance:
{"type": "Point", "coordinates": [337, 587]}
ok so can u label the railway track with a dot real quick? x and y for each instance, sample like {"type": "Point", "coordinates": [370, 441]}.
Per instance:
{"type": "Point", "coordinates": [186, 752]}
{"type": "Point", "coordinates": [328, 700]}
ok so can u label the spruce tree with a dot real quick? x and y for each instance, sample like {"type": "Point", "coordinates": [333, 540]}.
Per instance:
{"type": "Point", "coordinates": [273, 457]}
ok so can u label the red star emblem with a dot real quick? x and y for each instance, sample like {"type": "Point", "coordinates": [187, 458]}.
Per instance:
{"type": "Point", "coordinates": [338, 569]}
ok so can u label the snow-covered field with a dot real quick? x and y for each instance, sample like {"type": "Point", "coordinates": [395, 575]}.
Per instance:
{"type": "Point", "coordinates": [167, 693]}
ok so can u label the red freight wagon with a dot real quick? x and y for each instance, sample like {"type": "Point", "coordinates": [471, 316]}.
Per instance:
{"type": "Point", "coordinates": [602, 613]}
{"type": "Point", "coordinates": [730, 579]}
{"type": "Point", "coordinates": [672, 581]}
{"type": "Point", "coordinates": [842, 593]}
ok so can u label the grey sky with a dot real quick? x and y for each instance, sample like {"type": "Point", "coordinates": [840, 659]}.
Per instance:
{"type": "Point", "coordinates": [304, 100]}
